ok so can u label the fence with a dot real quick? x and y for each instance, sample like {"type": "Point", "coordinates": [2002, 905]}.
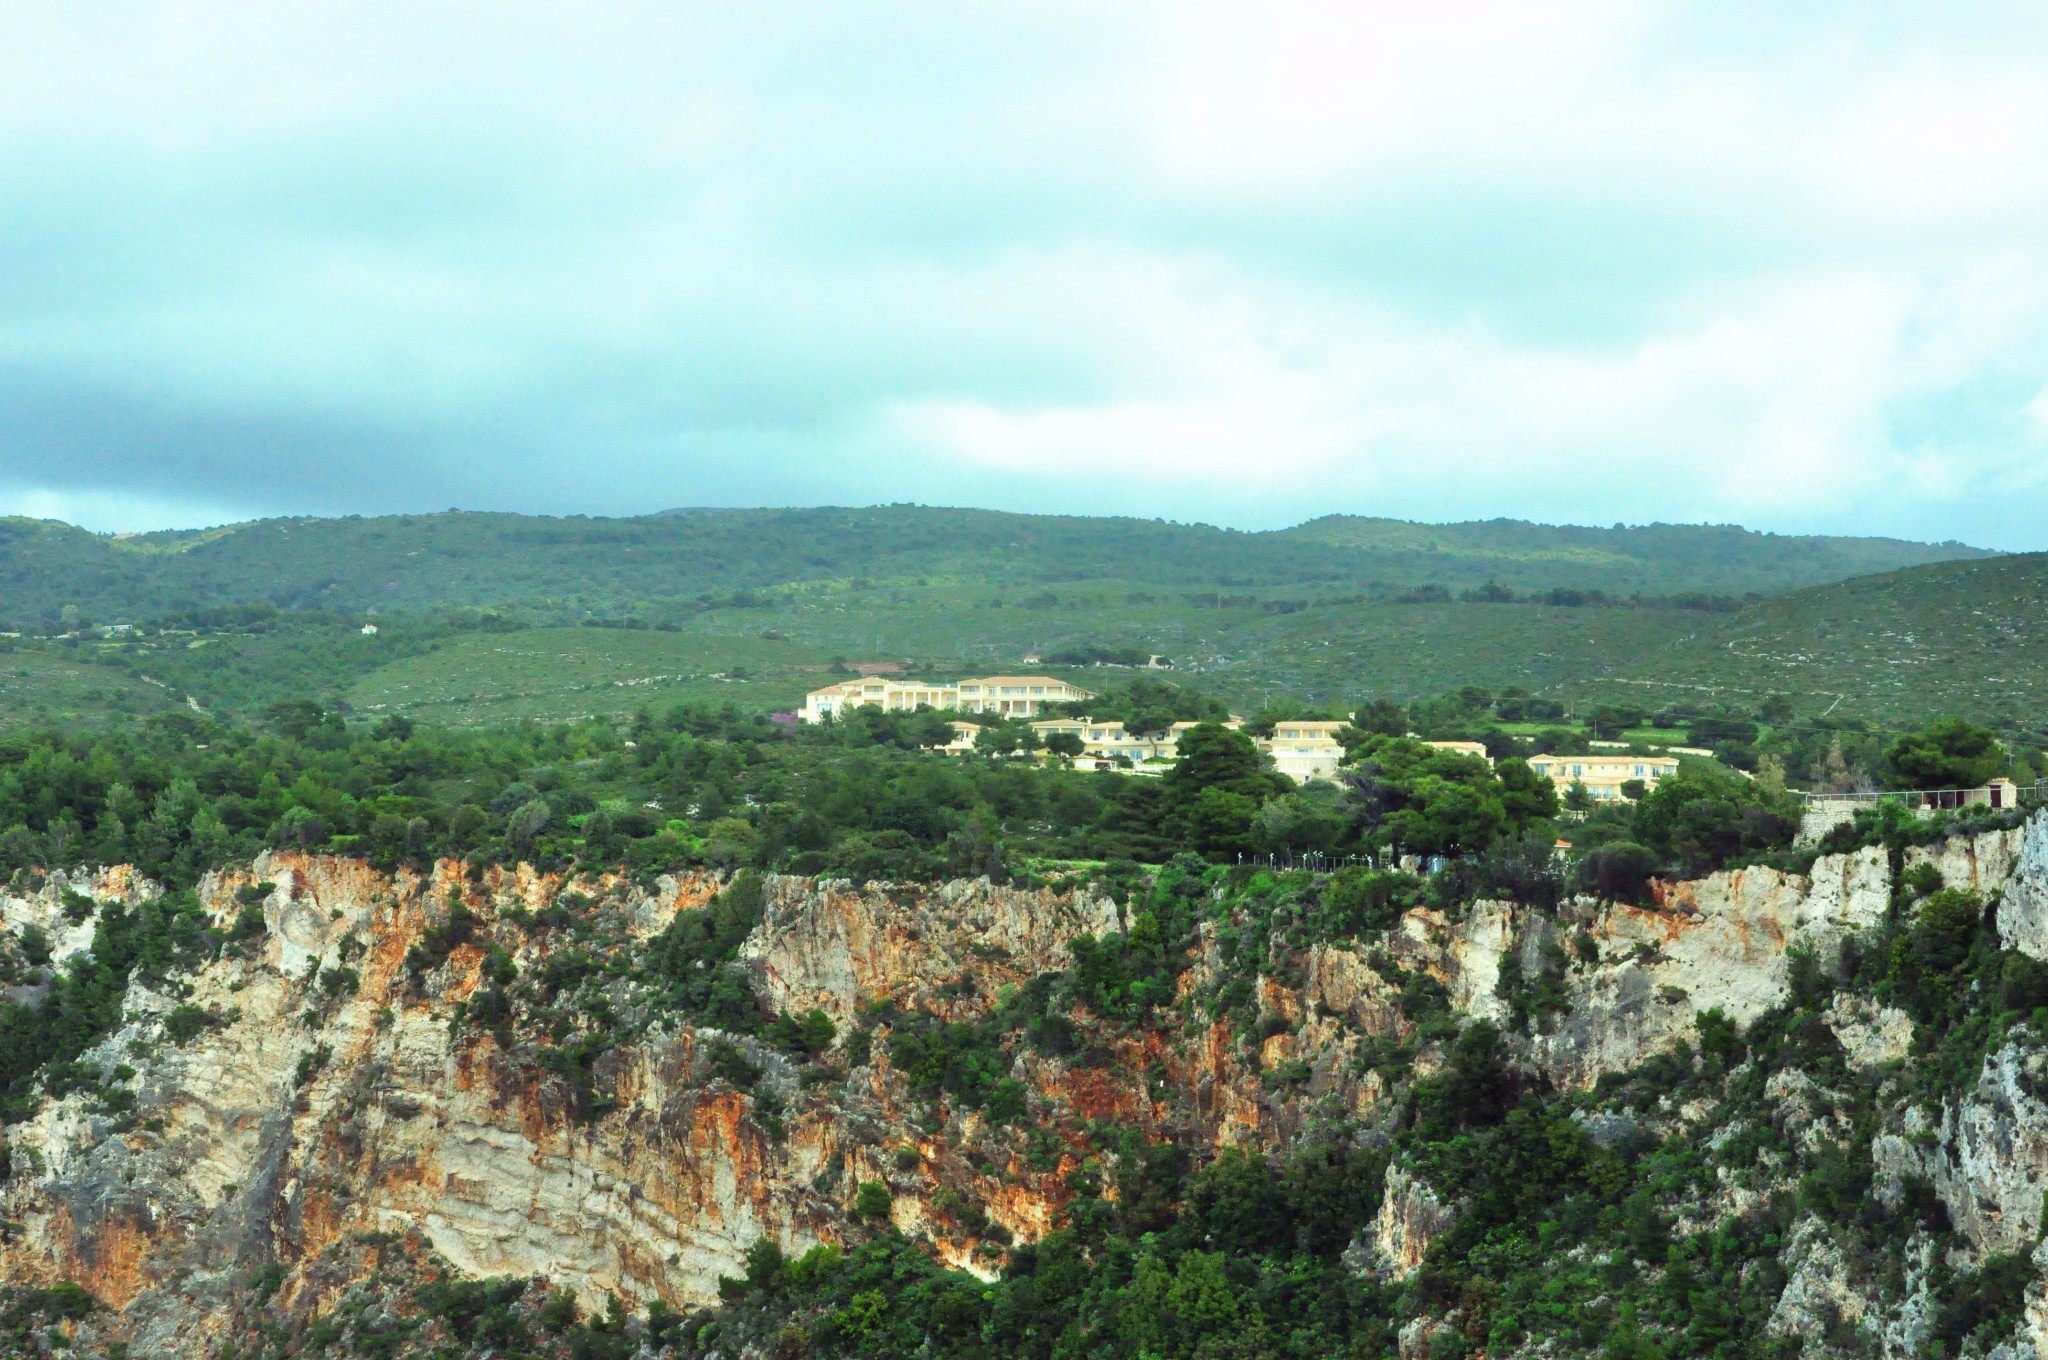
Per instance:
{"type": "Point", "coordinates": [1321, 863]}
{"type": "Point", "coordinates": [2005, 794]}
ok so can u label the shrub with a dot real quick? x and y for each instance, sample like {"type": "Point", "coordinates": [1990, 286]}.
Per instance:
{"type": "Point", "coordinates": [1619, 871]}
{"type": "Point", "coordinates": [185, 1023]}
{"type": "Point", "coordinates": [872, 1201]}
{"type": "Point", "coordinates": [724, 1060]}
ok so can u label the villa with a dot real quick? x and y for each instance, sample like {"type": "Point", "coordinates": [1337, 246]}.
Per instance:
{"type": "Point", "coordinates": [1603, 775]}
{"type": "Point", "coordinates": [1107, 739]}
{"type": "Point", "coordinates": [1010, 696]}
{"type": "Point", "coordinates": [1305, 749]}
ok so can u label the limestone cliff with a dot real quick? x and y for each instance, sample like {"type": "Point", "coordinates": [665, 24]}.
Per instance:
{"type": "Point", "coordinates": [346, 1082]}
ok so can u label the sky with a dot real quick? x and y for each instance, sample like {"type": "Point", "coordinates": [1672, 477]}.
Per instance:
{"type": "Point", "coordinates": [1782, 264]}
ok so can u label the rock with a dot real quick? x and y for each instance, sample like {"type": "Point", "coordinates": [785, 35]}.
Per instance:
{"type": "Point", "coordinates": [1870, 1035]}
{"type": "Point", "coordinates": [2023, 910]}
{"type": "Point", "coordinates": [1606, 1128]}
{"type": "Point", "coordinates": [1339, 981]}
{"type": "Point", "coordinates": [824, 944]}
{"type": "Point", "coordinates": [1982, 863]}
{"type": "Point", "coordinates": [427, 1133]}
{"type": "Point", "coordinates": [1716, 944]}
{"type": "Point", "coordinates": [1410, 1218]}
{"type": "Point", "coordinates": [1819, 1291]}
{"type": "Point", "coordinates": [1992, 1164]}
{"type": "Point", "coordinates": [46, 910]}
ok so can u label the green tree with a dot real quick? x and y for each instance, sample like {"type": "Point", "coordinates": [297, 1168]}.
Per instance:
{"type": "Point", "coordinates": [1217, 785]}
{"type": "Point", "coordinates": [872, 1201]}
{"type": "Point", "coordinates": [1525, 795]}
{"type": "Point", "coordinates": [527, 821]}
{"type": "Point", "coordinates": [1066, 745]}
{"type": "Point", "coordinates": [1381, 717]}
{"type": "Point", "coordinates": [1699, 819]}
{"type": "Point", "coordinates": [1418, 798]}
{"type": "Point", "coordinates": [1949, 753]}
{"type": "Point", "coordinates": [1310, 818]}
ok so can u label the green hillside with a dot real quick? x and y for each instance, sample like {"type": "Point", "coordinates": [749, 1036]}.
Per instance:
{"type": "Point", "coordinates": [1334, 653]}
{"type": "Point", "coordinates": [676, 562]}
{"type": "Point", "coordinates": [43, 688]}
{"type": "Point", "coordinates": [1964, 637]}
{"type": "Point", "coordinates": [1659, 559]}
{"type": "Point", "coordinates": [558, 673]}
{"type": "Point", "coordinates": [758, 606]}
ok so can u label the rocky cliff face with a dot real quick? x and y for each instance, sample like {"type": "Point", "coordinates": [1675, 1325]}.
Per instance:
{"type": "Point", "coordinates": [306, 1115]}
{"type": "Point", "coordinates": [2023, 909]}
{"type": "Point", "coordinates": [338, 1094]}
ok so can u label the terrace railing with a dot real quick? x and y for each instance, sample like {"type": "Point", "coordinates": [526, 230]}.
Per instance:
{"type": "Point", "coordinates": [1990, 795]}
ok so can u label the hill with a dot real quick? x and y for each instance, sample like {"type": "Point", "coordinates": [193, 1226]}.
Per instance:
{"type": "Point", "coordinates": [45, 688]}
{"type": "Point", "coordinates": [1655, 559]}
{"type": "Point", "coordinates": [753, 606]}
{"type": "Point", "coordinates": [1965, 637]}
{"type": "Point", "coordinates": [679, 561]}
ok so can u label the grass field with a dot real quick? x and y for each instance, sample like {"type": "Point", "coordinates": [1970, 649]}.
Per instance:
{"type": "Point", "coordinates": [1962, 637]}
{"type": "Point", "coordinates": [1345, 653]}
{"type": "Point", "coordinates": [557, 673]}
{"type": "Point", "coordinates": [41, 688]}
{"type": "Point", "coordinates": [1324, 653]}
{"type": "Point", "coordinates": [769, 657]}
{"type": "Point", "coordinates": [1958, 637]}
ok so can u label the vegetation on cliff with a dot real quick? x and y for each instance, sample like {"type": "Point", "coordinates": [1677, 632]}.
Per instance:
{"type": "Point", "coordinates": [1666, 1211]}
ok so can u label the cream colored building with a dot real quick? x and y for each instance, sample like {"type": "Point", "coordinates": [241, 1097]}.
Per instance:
{"type": "Point", "coordinates": [1603, 775]}
{"type": "Point", "coordinates": [1106, 739]}
{"type": "Point", "coordinates": [962, 743]}
{"type": "Point", "coordinates": [1463, 748]}
{"type": "Point", "coordinates": [1011, 696]}
{"type": "Point", "coordinates": [1305, 749]}
{"type": "Point", "coordinates": [1301, 750]}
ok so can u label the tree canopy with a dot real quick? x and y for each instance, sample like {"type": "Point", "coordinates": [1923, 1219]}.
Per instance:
{"type": "Point", "coordinates": [1949, 753]}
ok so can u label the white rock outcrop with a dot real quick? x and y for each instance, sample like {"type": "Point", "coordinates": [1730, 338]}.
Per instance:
{"type": "Point", "coordinates": [826, 944]}
{"type": "Point", "coordinates": [1870, 1035]}
{"type": "Point", "coordinates": [1411, 1217]}
{"type": "Point", "coordinates": [2023, 909]}
{"type": "Point", "coordinates": [1716, 944]}
{"type": "Point", "coordinates": [1991, 1165]}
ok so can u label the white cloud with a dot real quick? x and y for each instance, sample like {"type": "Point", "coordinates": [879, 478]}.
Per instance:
{"type": "Point", "coordinates": [116, 511]}
{"type": "Point", "coordinates": [1595, 259]}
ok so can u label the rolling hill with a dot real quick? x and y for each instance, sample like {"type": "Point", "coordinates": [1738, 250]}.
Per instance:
{"type": "Point", "coordinates": [1963, 637]}
{"type": "Point", "coordinates": [755, 606]}
{"type": "Point", "coordinates": [679, 561]}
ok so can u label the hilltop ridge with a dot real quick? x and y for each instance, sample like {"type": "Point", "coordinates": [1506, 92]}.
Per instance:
{"type": "Point", "coordinates": [493, 559]}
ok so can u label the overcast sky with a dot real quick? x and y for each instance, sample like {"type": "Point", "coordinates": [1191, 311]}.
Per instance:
{"type": "Point", "coordinates": [1780, 263]}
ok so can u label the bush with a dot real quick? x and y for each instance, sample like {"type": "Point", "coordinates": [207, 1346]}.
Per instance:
{"type": "Point", "coordinates": [807, 1035]}
{"type": "Point", "coordinates": [1699, 820]}
{"type": "Point", "coordinates": [724, 1060]}
{"type": "Point", "coordinates": [185, 1023]}
{"type": "Point", "coordinates": [1619, 871]}
{"type": "Point", "coordinates": [872, 1201]}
